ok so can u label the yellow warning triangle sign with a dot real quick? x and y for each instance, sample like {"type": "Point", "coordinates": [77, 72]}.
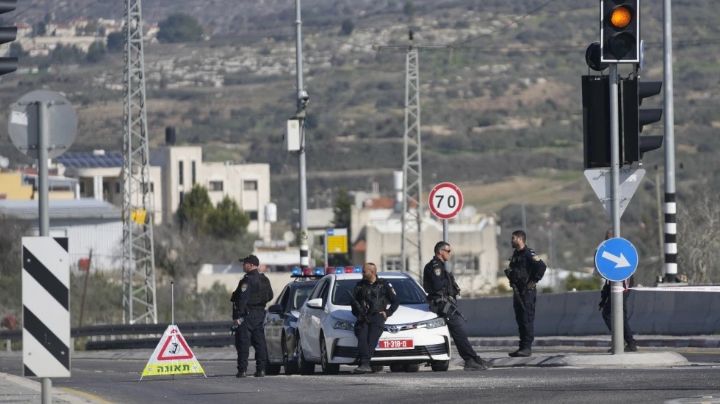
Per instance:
{"type": "Point", "coordinates": [172, 356]}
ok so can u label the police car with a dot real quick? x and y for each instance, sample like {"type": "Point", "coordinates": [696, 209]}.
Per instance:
{"type": "Point", "coordinates": [413, 335]}
{"type": "Point", "coordinates": [281, 321]}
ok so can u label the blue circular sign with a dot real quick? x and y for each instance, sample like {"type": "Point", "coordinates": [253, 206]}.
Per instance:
{"type": "Point", "coordinates": [616, 259]}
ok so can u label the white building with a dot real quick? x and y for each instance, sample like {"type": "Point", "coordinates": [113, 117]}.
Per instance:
{"type": "Point", "coordinates": [174, 170]}
{"type": "Point", "coordinates": [90, 226]}
{"type": "Point", "coordinates": [377, 236]}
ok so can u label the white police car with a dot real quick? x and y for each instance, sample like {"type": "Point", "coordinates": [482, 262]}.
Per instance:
{"type": "Point", "coordinates": [413, 335]}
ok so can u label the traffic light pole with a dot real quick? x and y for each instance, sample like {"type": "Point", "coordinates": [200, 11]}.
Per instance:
{"type": "Point", "coordinates": [301, 104]}
{"type": "Point", "coordinates": [670, 205]}
{"type": "Point", "coordinates": [616, 290]}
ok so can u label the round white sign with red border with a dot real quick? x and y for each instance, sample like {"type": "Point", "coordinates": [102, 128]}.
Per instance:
{"type": "Point", "coordinates": [445, 200]}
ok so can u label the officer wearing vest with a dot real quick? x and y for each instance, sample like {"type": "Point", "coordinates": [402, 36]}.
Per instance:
{"type": "Point", "coordinates": [249, 300]}
{"type": "Point", "coordinates": [442, 292]}
{"type": "Point", "coordinates": [371, 298]}
{"type": "Point", "coordinates": [525, 271]}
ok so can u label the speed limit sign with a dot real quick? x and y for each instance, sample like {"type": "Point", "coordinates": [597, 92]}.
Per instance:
{"type": "Point", "coordinates": [445, 200]}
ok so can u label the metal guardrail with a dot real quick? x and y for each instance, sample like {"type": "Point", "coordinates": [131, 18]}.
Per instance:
{"type": "Point", "coordinates": [130, 336]}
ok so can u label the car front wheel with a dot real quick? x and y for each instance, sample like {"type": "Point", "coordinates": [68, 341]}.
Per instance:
{"type": "Point", "coordinates": [305, 367]}
{"type": "Point", "coordinates": [327, 367]}
{"type": "Point", "coordinates": [440, 366]}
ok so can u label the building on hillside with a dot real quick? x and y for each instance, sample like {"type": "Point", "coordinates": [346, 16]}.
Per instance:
{"type": "Point", "coordinates": [21, 186]}
{"type": "Point", "coordinates": [174, 170]}
{"type": "Point", "coordinates": [90, 226]}
{"type": "Point", "coordinates": [377, 232]}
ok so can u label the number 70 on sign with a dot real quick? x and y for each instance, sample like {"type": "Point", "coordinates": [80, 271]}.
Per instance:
{"type": "Point", "coordinates": [445, 200]}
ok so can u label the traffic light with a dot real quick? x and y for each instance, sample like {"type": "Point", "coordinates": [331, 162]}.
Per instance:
{"type": "Point", "coordinates": [596, 121]}
{"type": "Point", "coordinates": [620, 31]}
{"type": "Point", "coordinates": [634, 118]}
{"type": "Point", "coordinates": [7, 34]}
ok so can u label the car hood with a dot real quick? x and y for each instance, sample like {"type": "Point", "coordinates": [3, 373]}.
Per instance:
{"type": "Point", "coordinates": [405, 314]}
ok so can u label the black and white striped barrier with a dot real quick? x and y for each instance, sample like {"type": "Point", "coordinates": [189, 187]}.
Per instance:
{"type": "Point", "coordinates": [46, 307]}
{"type": "Point", "coordinates": [670, 236]}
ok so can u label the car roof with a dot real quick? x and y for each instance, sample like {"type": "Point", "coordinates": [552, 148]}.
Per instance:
{"type": "Point", "coordinates": [384, 275]}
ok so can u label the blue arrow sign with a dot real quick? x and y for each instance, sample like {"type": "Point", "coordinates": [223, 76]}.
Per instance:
{"type": "Point", "coordinates": [616, 259]}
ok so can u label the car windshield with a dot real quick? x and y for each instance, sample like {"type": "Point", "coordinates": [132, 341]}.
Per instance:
{"type": "Point", "coordinates": [408, 292]}
{"type": "Point", "coordinates": [300, 294]}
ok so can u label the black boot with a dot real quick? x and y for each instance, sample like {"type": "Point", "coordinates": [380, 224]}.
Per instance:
{"type": "Point", "coordinates": [260, 373]}
{"type": "Point", "coordinates": [240, 373]}
{"type": "Point", "coordinates": [483, 363]}
{"type": "Point", "coordinates": [522, 353]}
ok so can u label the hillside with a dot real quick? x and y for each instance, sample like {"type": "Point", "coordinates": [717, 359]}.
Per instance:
{"type": "Point", "coordinates": [501, 108]}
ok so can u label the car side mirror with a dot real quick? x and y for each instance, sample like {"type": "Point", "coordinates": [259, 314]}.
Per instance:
{"type": "Point", "coordinates": [276, 309]}
{"type": "Point", "coordinates": [315, 303]}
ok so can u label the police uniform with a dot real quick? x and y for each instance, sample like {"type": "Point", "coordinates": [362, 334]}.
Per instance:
{"type": "Point", "coordinates": [442, 292]}
{"type": "Point", "coordinates": [370, 300]}
{"type": "Point", "coordinates": [526, 270]}
{"type": "Point", "coordinates": [606, 307]}
{"type": "Point", "coordinates": [249, 300]}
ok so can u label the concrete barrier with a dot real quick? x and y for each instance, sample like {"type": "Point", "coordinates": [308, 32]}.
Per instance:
{"type": "Point", "coordinates": [576, 313]}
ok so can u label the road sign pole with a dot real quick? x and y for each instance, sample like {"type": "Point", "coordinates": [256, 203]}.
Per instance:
{"type": "Point", "coordinates": [43, 188]}
{"type": "Point", "coordinates": [42, 184]}
{"type": "Point", "coordinates": [616, 287]}
{"type": "Point", "coordinates": [445, 230]}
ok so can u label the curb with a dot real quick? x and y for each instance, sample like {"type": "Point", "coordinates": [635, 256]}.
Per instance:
{"type": "Point", "coordinates": [602, 342]}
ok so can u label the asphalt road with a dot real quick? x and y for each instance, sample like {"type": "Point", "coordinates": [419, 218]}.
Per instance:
{"type": "Point", "coordinates": [117, 381]}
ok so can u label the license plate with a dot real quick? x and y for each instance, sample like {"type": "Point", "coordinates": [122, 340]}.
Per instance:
{"type": "Point", "coordinates": [395, 344]}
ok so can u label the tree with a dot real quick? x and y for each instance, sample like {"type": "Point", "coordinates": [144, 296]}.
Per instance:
{"type": "Point", "coordinates": [10, 274]}
{"type": "Point", "coordinates": [96, 52]}
{"type": "Point", "coordinates": [347, 27]}
{"type": "Point", "coordinates": [179, 28]}
{"type": "Point", "coordinates": [227, 220]}
{"type": "Point", "coordinates": [66, 54]}
{"type": "Point", "coordinates": [16, 50]}
{"type": "Point", "coordinates": [195, 209]}
{"type": "Point", "coordinates": [115, 42]}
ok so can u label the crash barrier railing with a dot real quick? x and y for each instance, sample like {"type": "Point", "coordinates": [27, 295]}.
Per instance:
{"type": "Point", "coordinates": [128, 336]}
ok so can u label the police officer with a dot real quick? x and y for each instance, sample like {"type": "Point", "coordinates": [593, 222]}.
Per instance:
{"type": "Point", "coordinates": [249, 300]}
{"type": "Point", "coordinates": [442, 292]}
{"type": "Point", "coordinates": [525, 271]}
{"type": "Point", "coordinates": [605, 307]}
{"type": "Point", "coordinates": [371, 298]}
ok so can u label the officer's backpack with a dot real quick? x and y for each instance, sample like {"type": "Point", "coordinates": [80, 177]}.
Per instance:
{"type": "Point", "coordinates": [265, 282]}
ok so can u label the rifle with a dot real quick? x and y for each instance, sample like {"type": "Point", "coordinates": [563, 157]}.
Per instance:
{"type": "Point", "coordinates": [361, 316]}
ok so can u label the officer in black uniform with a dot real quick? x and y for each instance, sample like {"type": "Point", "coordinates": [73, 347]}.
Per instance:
{"type": "Point", "coordinates": [442, 292]}
{"type": "Point", "coordinates": [249, 300]}
{"type": "Point", "coordinates": [526, 270]}
{"type": "Point", "coordinates": [371, 298]}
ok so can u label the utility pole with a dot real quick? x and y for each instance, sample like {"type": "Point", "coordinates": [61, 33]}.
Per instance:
{"type": "Point", "coordinates": [671, 269]}
{"type": "Point", "coordinates": [412, 202]}
{"type": "Point", "coordinates": [411, 219]}
{"type": "Point", "coordinates": [138, 275]}
{"type": "Point", "coordinates": [302, 100]}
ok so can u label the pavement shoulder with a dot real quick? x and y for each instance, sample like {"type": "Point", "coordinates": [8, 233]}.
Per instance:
{"type": "Point", "coordinates": [625, 360]}
{"type": "Point", "coordinates": [21, 389]}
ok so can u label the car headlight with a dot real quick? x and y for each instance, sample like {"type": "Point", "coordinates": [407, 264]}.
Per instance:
{"type": "Point", "coordinates": [344, 325]}
{"type": "Point", "coordinates": [434, 323]}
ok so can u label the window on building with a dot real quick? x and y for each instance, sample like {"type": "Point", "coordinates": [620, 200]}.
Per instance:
{"type": "Point", "coordinates": [216, 185]}
{"type": "Point", "coordinates": [152, 187]}
{"type": "Point", "coordinates": [392, 263]}
{"type": "Point", "coordinates": [193, 172]}
{"type": "Point", "coordinates": [181, 169]}
{"type": "Point", "coordinates": [182, 197]}
{"type": "Point", "coordinates": [117, 187]}
{"type": "Point", "coordinates": [252, 214]}
{"type": "Point", "coordinates": [82, 188]}
{"type": "Point", "coordinates": [250, 185]}
{"type": "Point", "coordinates": [466, 264]}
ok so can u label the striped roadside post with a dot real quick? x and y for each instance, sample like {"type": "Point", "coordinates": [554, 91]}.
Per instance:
{"type": "Point", "coordinates": [46, 307]}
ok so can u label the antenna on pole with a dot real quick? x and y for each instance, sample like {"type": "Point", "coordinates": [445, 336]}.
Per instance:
{"type": "Point", "coordinates": [138, 273]}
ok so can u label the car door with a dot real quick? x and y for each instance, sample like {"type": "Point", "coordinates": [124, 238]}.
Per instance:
{"type": "Point", "coordinates": [274, 327]}
{"type": "Point", "coordinates": [312, 321]}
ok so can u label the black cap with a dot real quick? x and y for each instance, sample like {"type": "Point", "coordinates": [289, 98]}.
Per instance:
{"type": "Point", "coordinates": [251, 259]}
